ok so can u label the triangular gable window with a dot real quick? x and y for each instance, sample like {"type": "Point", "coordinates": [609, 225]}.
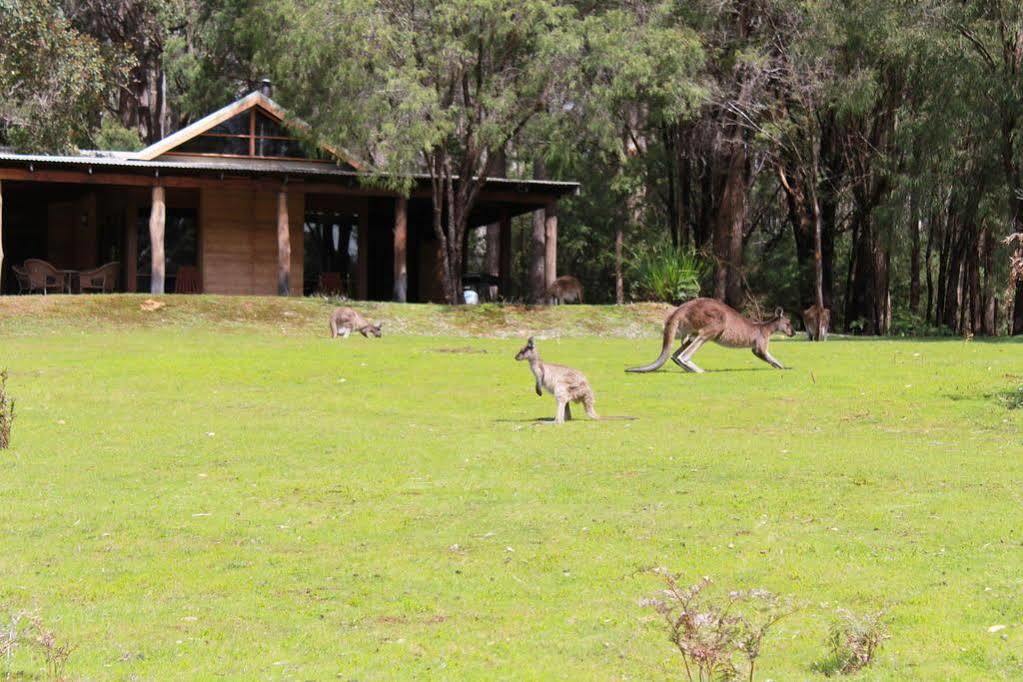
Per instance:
{"type": "Point", "coordinates": [251, 134]}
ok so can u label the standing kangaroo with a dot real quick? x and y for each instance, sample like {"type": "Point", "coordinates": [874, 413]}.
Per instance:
{"type": "Point", "coordinates": [706, 319]}
{"type": "Point", "coordinates": [564, 289]}
{"type": "Point", "coordinates": [567, 385]}
{"type": "Point", "coordinates": [817, 321]}
{"type": "Point", "coordinates": [344, 321]}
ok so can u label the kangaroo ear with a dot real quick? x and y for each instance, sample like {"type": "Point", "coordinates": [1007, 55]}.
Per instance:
{"type": "Point", "coordinates": [529, 344]}
{"type": "Point", "coordinates": [379, 325]}
{"type": "Point", "coordinates": [778, 312]}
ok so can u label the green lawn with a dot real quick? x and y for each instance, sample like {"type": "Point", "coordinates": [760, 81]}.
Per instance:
{"type": "Point", "coordinates": [252, 500]}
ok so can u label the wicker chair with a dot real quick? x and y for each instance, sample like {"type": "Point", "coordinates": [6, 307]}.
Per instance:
{"type": "Point", "coordinates": [330, 284]}
{"type": "Point", "coordinates": [21, 275]}
{"type": "Point", "coordinates": [101, 280]}
{"type": "Point", "coordinates": [42, 276]}
{"type": "Point", "coordinates": [188, 280]}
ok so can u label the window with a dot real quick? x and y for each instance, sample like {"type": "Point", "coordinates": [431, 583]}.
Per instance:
{"type": "Point", "coordinates": [250, 133]}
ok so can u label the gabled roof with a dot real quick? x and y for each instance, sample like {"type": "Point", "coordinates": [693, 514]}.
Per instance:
{"type": "Point", "coordinates": [254, 100]}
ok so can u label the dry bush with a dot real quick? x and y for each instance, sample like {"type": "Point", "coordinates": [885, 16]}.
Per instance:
{"type": "Point", "coordinates": [719, 636]}
{"type": "Point", "coordinates": [853, 642]}
{"type": "Point", "coordinates": [25, 629]}
{"type": "Point", "coordinates": [6, 412]}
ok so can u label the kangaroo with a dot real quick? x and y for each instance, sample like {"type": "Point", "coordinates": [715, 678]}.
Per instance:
{"type": "Point", "coordinates": [707, 319]}
{"type": "Point", "coordinates": [343, 321]}
{"type": "Point", "coordinates": [817, 321]}
{"type": "Point", "coordinates": [567, 385]}
{"type": "Point", "coordinates": [564, 289]}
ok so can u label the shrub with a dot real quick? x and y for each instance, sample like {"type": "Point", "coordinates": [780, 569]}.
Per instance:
{"type": "Point", "coordinates": [668, 274]}
{"type": "Point", "coordinates": [719, 637]}
{"type": "Point", "coordinates": [6, 412]}
{"type": "Point", "coordinates": [853, 642]}
{"type": "Point", "coordinates": [25, 629]}
{"type": "Point", "coordinates": [1014, 399]}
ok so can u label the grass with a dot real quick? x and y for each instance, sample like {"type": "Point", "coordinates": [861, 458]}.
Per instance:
{"type": "Point", "coordinates": [217, 489]}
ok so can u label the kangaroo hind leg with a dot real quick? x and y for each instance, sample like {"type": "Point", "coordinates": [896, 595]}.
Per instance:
{"type": "Point", "coordinates": [686, 358]}
{"type": "Point", "coordinates": [559, 416]}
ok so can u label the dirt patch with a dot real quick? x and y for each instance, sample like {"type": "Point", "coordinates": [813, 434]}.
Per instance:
{"type": "Point", "coordinates": [308, 316]}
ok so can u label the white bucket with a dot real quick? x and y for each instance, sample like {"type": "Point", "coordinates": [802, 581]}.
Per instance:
{"type": "Point", "coordinates": [470, 297]}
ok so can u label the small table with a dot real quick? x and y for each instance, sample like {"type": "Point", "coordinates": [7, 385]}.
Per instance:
{"type": "Point", "coordinates": [69, 277]}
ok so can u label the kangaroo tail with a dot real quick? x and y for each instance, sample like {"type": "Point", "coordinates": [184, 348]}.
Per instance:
{"type": "Point", "coordinates": [670, 325]}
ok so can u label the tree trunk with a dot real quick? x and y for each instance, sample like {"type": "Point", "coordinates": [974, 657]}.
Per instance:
{"type": "Point", "coordinates": [550, 244]}
{"type": "Point", "coordinates": [729, 228]}
{"type": "Point", "coordinates": [916, 224]}
{"type": "Point", "coordinates": [401, 250]}
{"type": "Point", "coordinates": [802, 232]}
{"type": "Point", "coordinates": [157, 222]}
{"type": "Point", "coordinates": [619, 279]}
{"type": "Point", "coordinates": [283, 246]}
{"type": "Point", "coordinates": [988, 327]}
{"type": "Point", "coordinates": [537, 269]}
{"type": "Point", "coordinates": [927, 268]}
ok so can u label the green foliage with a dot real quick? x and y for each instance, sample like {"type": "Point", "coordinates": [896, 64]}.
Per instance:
{"type": "Point", "coordinates": [112, 136]}
{"type": "Point", "coordinates": [853, 642]}
{"type": "Point", "coordinates": [667, 274]}
{"type": "Point", "coordinates": [53, 79]}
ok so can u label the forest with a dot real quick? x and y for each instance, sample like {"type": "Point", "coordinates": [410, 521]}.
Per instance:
{"type": "Point", "coordinates": [862, 155]}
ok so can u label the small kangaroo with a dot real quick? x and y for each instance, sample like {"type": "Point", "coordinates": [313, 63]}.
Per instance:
{"type": "Point", "coordinates": [343, 321]}
{"type": "Point", "coordinates": [817, 321]}
{"type": "Point", "coordinates": [564, 289]}
{"type": "Point", "coordinates": [707, 319]}
{"type": "Point", "coordinates": [567, 385]}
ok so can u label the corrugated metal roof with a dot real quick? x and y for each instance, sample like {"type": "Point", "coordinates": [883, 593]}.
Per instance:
{"type": "Point", "coordinates": [124, 161]}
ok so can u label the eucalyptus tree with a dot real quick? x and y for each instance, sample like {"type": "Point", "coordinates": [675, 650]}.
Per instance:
{"type": "Point", "coordinates": [439, 87]}
{"type": "Point", "coordinates": [640, 69]}
{"type": "Point", "coordinates": [990, 33]}
{"type": "Point", "coordinates": [52, 77]}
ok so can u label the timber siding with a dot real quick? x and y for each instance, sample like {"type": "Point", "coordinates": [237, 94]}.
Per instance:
{"type": "Point", "coordinates": [238, 241]}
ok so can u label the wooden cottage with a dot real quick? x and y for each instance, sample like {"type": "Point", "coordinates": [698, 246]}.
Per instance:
{"type": "Point", "coordinates": [235, 204]}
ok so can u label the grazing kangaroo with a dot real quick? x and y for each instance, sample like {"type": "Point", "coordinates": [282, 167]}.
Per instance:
{"type": "Point", "coordinates": [344, 321]}
{"type": "Point", "coordinates": [567, 385]}
{"type": "Point", "coordinates": [564, 289]}
{"type": "Point", "coordinates": [707, 319]}
{"type": "Point", "coordinates": [817, 320]}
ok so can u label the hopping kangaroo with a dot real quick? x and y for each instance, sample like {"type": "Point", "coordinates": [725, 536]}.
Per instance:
{"type": "Point", "coordinates": [567, 385]}
{"type": "Point", "coordinates": [564, 289]}
{"type": "Point", "coordinates": [706, 319]}
{"type": "Point", "coordinates": [344, 321]}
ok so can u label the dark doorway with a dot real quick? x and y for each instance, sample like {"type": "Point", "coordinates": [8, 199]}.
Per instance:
{"type": "Point", "coordinates": [180, 243]}
{"type": "Point", "coordinates": [331, 250]}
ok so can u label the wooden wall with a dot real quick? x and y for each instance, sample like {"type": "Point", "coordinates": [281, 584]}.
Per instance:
{"type": "Point", "coordinates": [238, 241]}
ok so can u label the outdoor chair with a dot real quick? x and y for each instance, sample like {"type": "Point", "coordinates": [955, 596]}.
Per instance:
{"type": "Point", "coordinates": [330, 284]}
{"type": "Point", "coordinates": [188, 280]}
{"type": "Point", "coordinates": [42, 276]}
{"type": "Point", "coordinates": [24, 285]}
{"type": "Point", "coordinates": [101, 280]}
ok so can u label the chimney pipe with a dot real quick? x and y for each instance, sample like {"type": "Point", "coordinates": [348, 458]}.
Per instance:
{"type": "Point", "coordinates": [266, 87]}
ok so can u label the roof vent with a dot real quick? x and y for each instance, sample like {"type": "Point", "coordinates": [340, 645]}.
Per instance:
{"type": "Point", "coordinates": [266, 87]}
